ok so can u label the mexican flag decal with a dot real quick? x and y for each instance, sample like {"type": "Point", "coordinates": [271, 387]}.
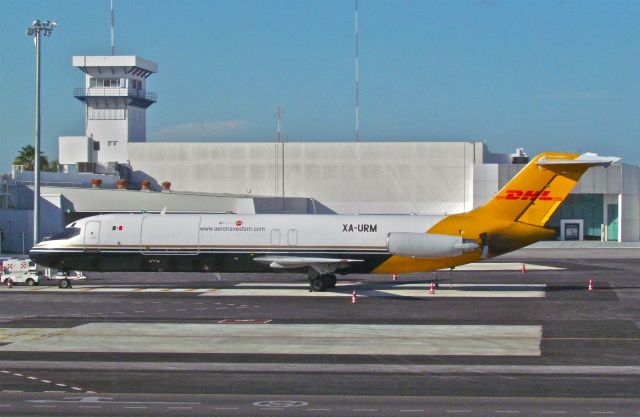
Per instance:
{"type": "Point", "coordinates": [117, 228]}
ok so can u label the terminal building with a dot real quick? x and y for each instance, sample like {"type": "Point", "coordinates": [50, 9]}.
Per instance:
{"type": "Point", "coordinates": [112, 168]}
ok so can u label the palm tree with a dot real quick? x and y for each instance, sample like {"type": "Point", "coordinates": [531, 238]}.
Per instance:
{"type": "Point", "coordinates": [52, 166]}
{"type": "Point", "coordinates": [26, 158]}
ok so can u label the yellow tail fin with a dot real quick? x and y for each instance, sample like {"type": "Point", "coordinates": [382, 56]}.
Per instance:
{"type": "Point", "coordinates": [535, 193]}
{"type": "Point", "coordinates": [516, 216]}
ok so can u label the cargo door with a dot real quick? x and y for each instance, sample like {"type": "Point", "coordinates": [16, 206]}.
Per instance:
{"type": "Point", "coordinates": [170, 234]}
{"type": "Point", "coordinates": [92, 236]}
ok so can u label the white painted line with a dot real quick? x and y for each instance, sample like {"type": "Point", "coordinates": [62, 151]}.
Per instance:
{"type": "Point", "coordinates": [422, 292]}
{"type": "Point", "coordinates": [225, 408]}
{"type": "Point", "coordinates": [62, 392]}
{"type": "Point", "coordinates": [411, 411]}
{"type": "Point", "coordinates": [76, 388]}
{"type": "Point", "coordinates": [18, 375]}
{"type": "Point", "coordinates": [61, 385]}
{"type": "Point", "coordinates": [130, 406]}
{"type": "Point", "coordinates": [291, 284]}
{"type": "Point", "coordinates": [12, 390]}
{"type": "Point", "coordinates": [46, 381]}
{"type": "Point", "coordinates": [525, 287]}
{"type": "Point", "coordinates": [318, 409]}
{"type": "Point", "coordinates": [31, 377]}
{"type": "Point", "coordinates": [5, 372]}
{"type": "Point", "coordinates": [458, 411]}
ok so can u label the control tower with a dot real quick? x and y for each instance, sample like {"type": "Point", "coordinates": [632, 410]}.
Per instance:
{"type": "Point", "coordinates": [115, 100]}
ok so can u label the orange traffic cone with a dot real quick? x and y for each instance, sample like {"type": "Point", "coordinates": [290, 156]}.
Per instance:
{"type": "Point", "coordinates": [432, 288]}
{"type": "Point", "coordinates": [354, 297]}
{"type": "Point", "coordinates": [394, 277]}
{"type": "Point", "coordinates": [590, 288]}
{"type": "Point", "coordinates": [524, 268]}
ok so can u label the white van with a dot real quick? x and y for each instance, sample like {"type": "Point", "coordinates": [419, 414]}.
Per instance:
{"type": "Point", "coordinates": [21, 277]}
{"type": "Point", "coordinates": [21, 271]}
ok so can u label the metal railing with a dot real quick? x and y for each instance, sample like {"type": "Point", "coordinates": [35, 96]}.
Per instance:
{"type": "Point", "coordinates": [115, 92]}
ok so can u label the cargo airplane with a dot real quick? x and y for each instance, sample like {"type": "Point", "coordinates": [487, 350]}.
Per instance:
{"type": "Point", "coordinates": [322, 245]}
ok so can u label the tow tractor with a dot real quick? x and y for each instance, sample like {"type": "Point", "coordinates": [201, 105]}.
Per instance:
{"type": "Point", "coordinates": [65, 278]}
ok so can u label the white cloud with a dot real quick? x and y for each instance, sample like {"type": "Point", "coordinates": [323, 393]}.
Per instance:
{"type": "Point", "coordinates": [221, 129]}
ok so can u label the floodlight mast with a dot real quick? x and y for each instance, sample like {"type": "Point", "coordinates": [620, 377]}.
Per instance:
{"type": "Point", "coordinates": [37, 29]}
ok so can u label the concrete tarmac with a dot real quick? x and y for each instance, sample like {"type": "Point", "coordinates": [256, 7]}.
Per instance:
{"type": "Point", "coordinates": [491, 341]}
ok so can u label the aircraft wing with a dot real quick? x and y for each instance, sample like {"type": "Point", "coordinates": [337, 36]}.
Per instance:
{"type": "Point", "coordinates": [321, 265]}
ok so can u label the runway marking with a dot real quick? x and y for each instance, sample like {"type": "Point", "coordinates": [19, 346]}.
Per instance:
{"type": "Point", "coordinates": [299, 290]}
{"type": "Point", "coordinates": [244, 321]}
{"type": "Point", "coordinates": [338, 368]}
{"type": "Point", "coordinates": [391, 290]}
{"type": "Point", "coordinates": [323, 339]}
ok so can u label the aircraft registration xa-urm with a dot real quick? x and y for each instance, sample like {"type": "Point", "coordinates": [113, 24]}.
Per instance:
{"type": "Point", "coordinates": [322, 245]}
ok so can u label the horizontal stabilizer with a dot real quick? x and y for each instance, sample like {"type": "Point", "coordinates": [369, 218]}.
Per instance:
{"type": "Point", "coordinates": [590, 159]}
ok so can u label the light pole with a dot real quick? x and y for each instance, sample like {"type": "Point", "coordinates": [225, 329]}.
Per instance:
{"type": "Point", "coordinates": [36, 29]}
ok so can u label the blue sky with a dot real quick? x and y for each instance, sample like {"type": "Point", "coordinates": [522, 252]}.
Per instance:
{"type": "Point", "coordinates": [543, 75]}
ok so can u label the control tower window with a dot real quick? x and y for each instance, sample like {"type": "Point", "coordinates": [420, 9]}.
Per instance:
{"type": "Point", "coordinates": [106, 82]}
{"type": "Point", "coordinates": [135, 84]}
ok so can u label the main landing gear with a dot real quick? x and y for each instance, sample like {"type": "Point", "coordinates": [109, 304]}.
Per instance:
{"type": "Point", "coordinates": [319, 283]}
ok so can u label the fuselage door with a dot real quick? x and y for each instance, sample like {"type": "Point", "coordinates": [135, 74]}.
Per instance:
{"type": "Point", "coordinates": [92, 236]}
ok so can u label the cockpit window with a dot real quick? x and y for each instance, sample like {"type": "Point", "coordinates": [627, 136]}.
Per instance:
{"type": "Point", "coordinates": [67, 233]}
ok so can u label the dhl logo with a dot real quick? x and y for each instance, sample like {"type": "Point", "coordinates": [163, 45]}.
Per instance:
{"type": "Point", "coordinates": [528, 195]}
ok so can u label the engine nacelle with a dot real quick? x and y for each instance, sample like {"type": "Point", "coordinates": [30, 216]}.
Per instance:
{"type": "Point", "coordinates": [428, 245]}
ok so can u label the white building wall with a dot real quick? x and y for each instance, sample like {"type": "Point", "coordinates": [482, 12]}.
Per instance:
{"type": "Point", "coordinates": [485, 183]}
{"type": "Point", "coordinates": [630, 204]}
{"type": "Point", "coordinates": [136, 118]}
{"type": "Point", "coordinates": [348, 177]}
{"type": "Point", "coordinates": [74, 149]}
{"type": "Point", "coordinates": [106, 132]}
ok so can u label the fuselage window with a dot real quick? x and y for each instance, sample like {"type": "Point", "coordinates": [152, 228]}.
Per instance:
{"type": "Point", "coordinates": [67, 233]}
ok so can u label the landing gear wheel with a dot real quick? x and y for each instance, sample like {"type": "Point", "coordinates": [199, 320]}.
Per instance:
{"type": "Point", "coordinates": [332, 281]}
{"type": "Point", "coordinates": [64, 283]}
{"type": "Point", "coordinates": [318, 284]}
